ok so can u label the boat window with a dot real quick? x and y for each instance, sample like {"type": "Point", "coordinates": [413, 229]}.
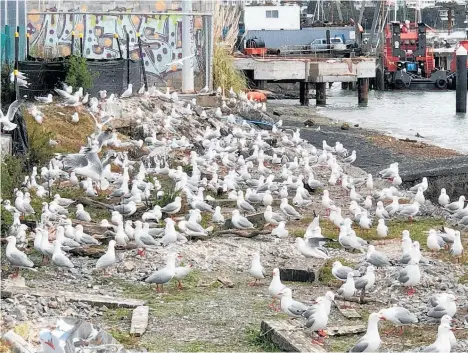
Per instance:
{"type": "Point", "coordinates": [272, 14]}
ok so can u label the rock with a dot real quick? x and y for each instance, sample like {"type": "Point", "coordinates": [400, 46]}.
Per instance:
{"type": "Point", "coordinates": [276, 113]}
{"type": "Point", "coordinates": [53, 304]}
{"type": "Point", "coordinates": [309, 123]}
{"type": "Point", "coordinates": [226, 282]}
{"type": "Point", "coordinates": [8, 319]}
{"type": "Point", "coordinates": [345, 126]}
{"type": "Point", "coordinates": [356, 125]}
{"type": "Point", "coordinates": [128, 266]}
{"type": "Point", "coordinates": [19, 314]}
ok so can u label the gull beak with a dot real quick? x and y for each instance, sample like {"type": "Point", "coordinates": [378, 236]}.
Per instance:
{"type": "Point", "coordinates": [190, 265]}
{"type": "Point", "coordinates": [383, 318]}
{"type": "Point", "coordinates": [179, 257]}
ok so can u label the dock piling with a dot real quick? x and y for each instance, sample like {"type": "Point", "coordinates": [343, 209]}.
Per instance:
{"type": "Point", "coordinates": [363, 91]}
{"type": "Point", "coordinates": [461, 80]}
{"type": "Point", "coordinates": [321, 93]}
{"type": "Point", "coordinates": [304, 93]}
{"type": "Point", "coordinates": [344, 85]}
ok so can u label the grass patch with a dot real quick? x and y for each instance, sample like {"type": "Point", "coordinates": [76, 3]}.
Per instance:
{"type": "Point", "coordinates": [59, 127]}
{"type": "Point", "coordinates": [417, 229]}
{"type": "Point", "coordinates": [225, 74]}
{"type": "Point", "coordinates": [118, 314]}
{"type": "Point", "coordinates": [125, 338]}
{"type": "Point", "coordinates": [463, 279]}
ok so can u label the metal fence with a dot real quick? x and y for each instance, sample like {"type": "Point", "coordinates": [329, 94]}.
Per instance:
{"type": "Point", "coordinates": [94, 35]}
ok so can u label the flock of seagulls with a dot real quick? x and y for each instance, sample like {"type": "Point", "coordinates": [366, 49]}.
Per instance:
{"type": "Point", "coordinates": [243, 166]}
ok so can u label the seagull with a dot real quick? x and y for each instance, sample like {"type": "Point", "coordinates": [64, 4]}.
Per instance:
{"type": "Point", "coordinates": [442, 343]}
{"type": "Point", "coordinates": [371, 341]}
{"type": "Point", "coordinates": [399, 316]}
{"type": "Point", "coordinates": [456, 206]}
{"type": "Point", "coordinates": [256, 269]}
{"type": "Point", "coordinates": [75, 118]}
{"type": "Point", "coordinates": [164, 275]}
{"type": "Point", "coordinates": [442, 304]}
{"type": "Point", "coordinates": [410, 276]}
{"type": "Point", "coordinates": [444, 199]}
{"type": "Point", "coordinates": [173, 207]}
{"type": "Point", "coordinates": [376, 258]}
{"type": "Point", "coordinates": [6, 120]}
{"type": "Point", "coordinates": [291, 307]}
{"type": "Point", "coordinates": [240, 222]}
{"type": "Point", "coordinates": [348, 288]}
{"type": "Point", "coordinates": [45, 100]}
{"type": "Point", "coordinates": [128, 92]}
{"type": "Point", "coordinates": [280, 231]}
{"type": "Point", "coordinates": [288, 210]}
{"type": "Point", "coordinates": [58, 258]}
{"type": "Point", "coordinates": [16, 258]}
{"type": "Point", "coordinates": [382, 229]}
{"type": "Point", "coordinates": [81, 214]}
{"type": "Point", "coordinates": [367, 281]}
{"type": "Point", "coordinates": [108, 259]}
{"type": "Point", "coordinates": [312, 248]}
{"type": "Point", "coordinates": [341, 272]}
{"type": "Point", "coordinates": [180, 273]}
{"type": "Point", "coordinates": [275, 288]}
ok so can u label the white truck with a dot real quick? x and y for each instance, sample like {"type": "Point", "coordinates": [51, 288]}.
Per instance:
{"type": "Point", "coordinates": [336, 43]}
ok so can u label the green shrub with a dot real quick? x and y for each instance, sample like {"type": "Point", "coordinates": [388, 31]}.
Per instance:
{"type": "Point", "coordinates": [7, 89]}
{"type": "Point", "coordinates": [12, 175]}
{"type": "Point", "coordinates": [77, 73]}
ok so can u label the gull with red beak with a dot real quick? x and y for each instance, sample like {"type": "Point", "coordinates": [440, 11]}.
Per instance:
{"type": "Point", "coordinates": [164, 275]}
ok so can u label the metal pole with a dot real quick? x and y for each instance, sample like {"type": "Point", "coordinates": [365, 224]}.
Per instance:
{"type": "Point", "coordinates": [27, 46]}
{"type": "Point", "coordinates": [128, 56]}
{"type": "Point", "coordinates": [72, 49]}
{"type": "Point", "coordinates": [461, 80]}
{"type": "Point", "coordinates": [16, 62]}
{"type": "Point", "coordinates": [142, 62]}
{"type": "Point", "coordinates": [116, 36]}
{"type": "Point", "coordinates": [17, 15]}
{"type": "Point", "coordinates": [81, 44]}
{"type": "Point", "coordinates": [187, 48]}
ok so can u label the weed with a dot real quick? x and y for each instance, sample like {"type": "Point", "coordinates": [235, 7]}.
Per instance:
{"type": "Point", "coordinates": [78, 74]}
{"type": "Point", "coordinates": [124, 338]}
{"type": "Point", "coordinates": [258, 341]}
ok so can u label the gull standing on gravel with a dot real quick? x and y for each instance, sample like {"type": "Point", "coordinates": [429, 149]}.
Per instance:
{"type": "Point", "coordinates": [108, 259]}
{"type": "Point", "coordinates": [410, 210]}
{"type": "Point", "coordinates": [256, 269]}
{"type": "Point", "coordinates": [410, 276]}
{"type": "Point", "coordinates": [280, 231]}
{"type": "Point", "coordinates": [381, 212]}
{"type": "Point", "coordinates": [312, 248]}
{"type": "Point", "coordinates": [16, 258]}
{"type": "Point", "coordinates": [170, 234]}
{"type": "Point", "coordinates": [366, 282]}
{"type": "Point", "coordinates": [447, 320]}
{"type": "Point", "coordinates": [442, 304]}
{"type": "Point", "coordinates": [217, 216]}
{"type": "Point", "coordinates": [142, 239]}
{"type": "Point", "coordinates": [275, 288]}
{"type": "Point", "coordinates": [326, 201]}
{"type": "Point", "coordinates": [444, 199]}
{"type": "Point", "coordinates": [272, 217]}
{"type": "Point", "coordinates": [377, 258]}
{"type": "Point", "coordinates": [347, 289]}
{"type": "Point", "coordinates": [434, 241]}
{"type": "Point", "coordinates": [58, 257]}
{"type": "Point", "coordinates": [291, 307]}
{"type": "Point", "coordinates": [399, 316]}
{"type": "Point", "coordinates": [164, 275]}
{"type": "Point", "coordinates": [240, 222]}
{"type": "Point", "coordinates": [288, 210]}
{"type": "Point", "coordinates": [371, 341]}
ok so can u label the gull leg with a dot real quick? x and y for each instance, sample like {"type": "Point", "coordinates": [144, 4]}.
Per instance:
{"type": "Point", "coordinates": [388, 332]}
{"type": "Point", "coordinates": [180, 285]}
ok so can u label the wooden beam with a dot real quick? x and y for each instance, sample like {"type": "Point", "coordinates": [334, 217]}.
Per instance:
{"type": "Point", "coordinates": [345, 330]}
{"type": "Point", "coordinates": [98, 300]}
{"type": "Point", "coordinates": [288, 337]}
{"type": "Point", "coordinates": [139, 320]}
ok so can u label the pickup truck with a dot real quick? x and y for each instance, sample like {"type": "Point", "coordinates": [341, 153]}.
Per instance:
{"type": "Point", "coordinates": [320, 44]}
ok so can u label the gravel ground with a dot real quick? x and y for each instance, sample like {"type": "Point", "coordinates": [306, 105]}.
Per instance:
{"type": "Point", "coordinates": [218, 311]}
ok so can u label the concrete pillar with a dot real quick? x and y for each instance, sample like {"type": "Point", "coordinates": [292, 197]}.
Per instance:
{"type": "Point", "coordinates": [352, 86]}
{"type": "Point", "coordinates": [363, 91]}
{"type": "Point", "coordinates": [321, 93]}
{"type": "Point", "coordinates": [344, 85]}
{"type": "Point", "coordinates": [261, 84]}
{"type": "Point", "coordinates": [188, 48]}
{"type": "Point", "coordinates": [461, 80]}
{"type": "Point", "coordinates": [304, 93]}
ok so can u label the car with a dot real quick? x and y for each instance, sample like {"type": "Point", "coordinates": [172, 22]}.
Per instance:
{"type": "Point", "coordinates": [336, 43]}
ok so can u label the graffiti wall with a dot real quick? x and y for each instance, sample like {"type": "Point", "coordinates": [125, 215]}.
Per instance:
{"type": "Point", "coordinates": [161, 36]}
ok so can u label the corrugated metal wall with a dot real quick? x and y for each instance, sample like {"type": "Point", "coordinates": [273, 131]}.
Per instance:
{"type": "Point", "coordinates": [277, 39]}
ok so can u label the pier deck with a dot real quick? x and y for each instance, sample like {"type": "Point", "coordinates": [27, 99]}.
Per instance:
{"type": "Point", "coordinates": [309, 70]}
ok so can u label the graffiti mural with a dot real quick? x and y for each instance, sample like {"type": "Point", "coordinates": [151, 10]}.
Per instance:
{"type": "Point", "coordinates": [161, 36]}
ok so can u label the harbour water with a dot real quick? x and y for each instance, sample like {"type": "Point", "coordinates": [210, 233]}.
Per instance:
{"type": "Point", "coordinates": [401, 114]}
